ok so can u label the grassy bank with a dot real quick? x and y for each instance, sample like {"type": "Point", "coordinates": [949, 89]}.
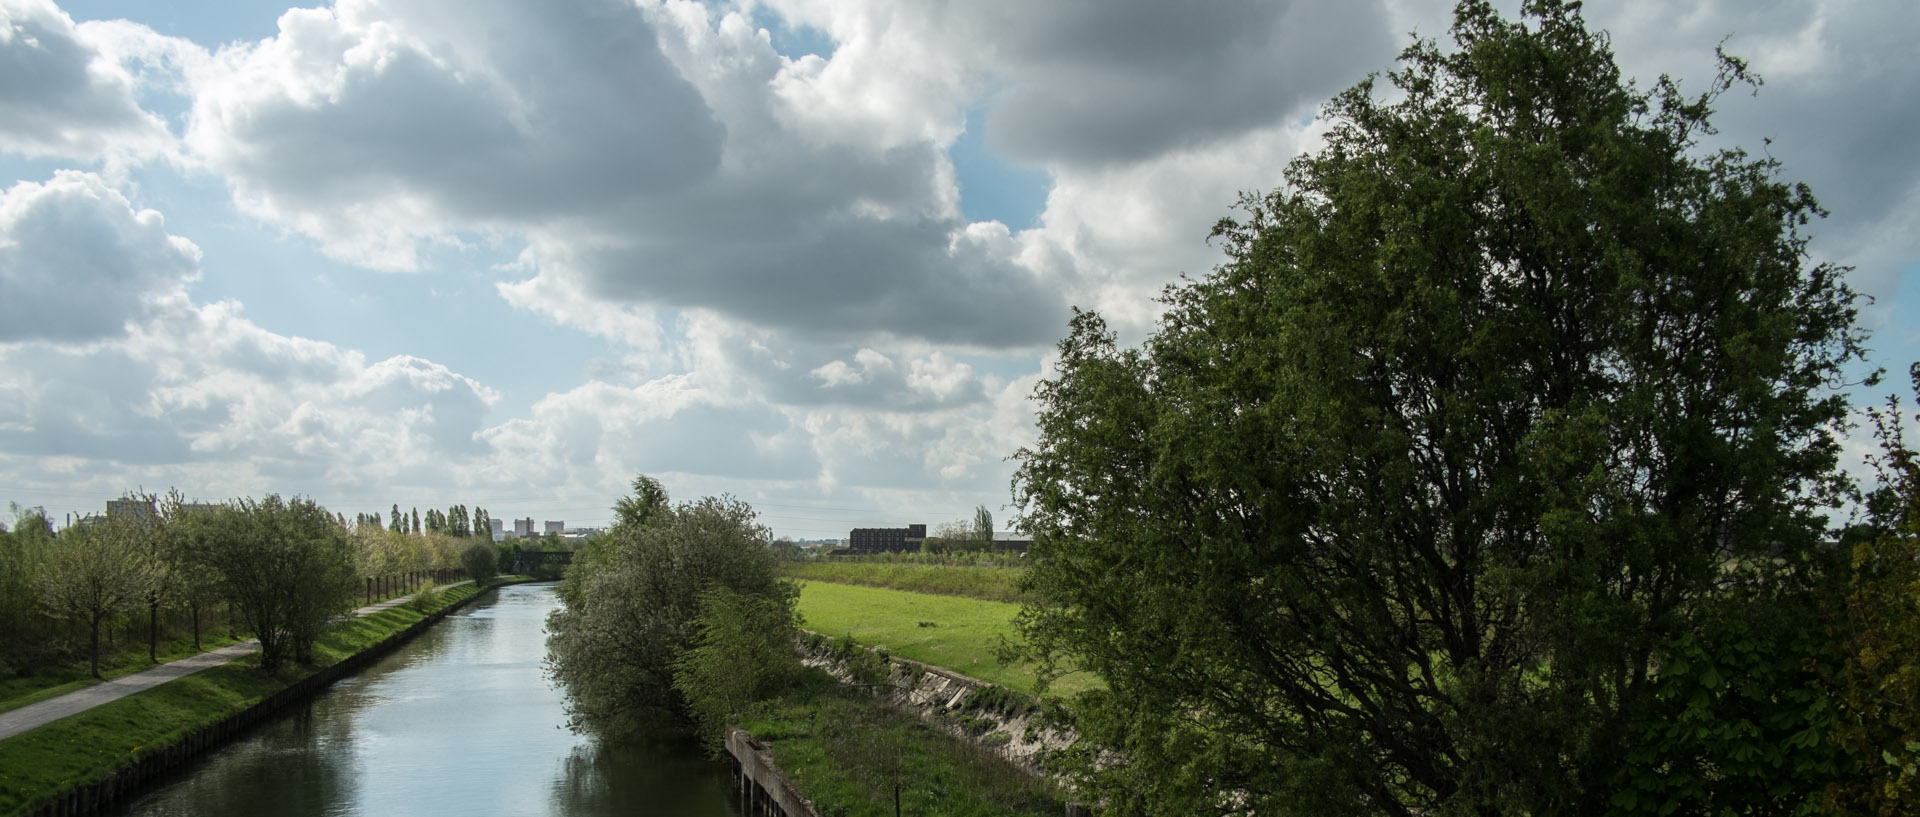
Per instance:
{"type": "Point", "coordinates": [21, 690]}
{"type": "Point", "coordinates": [77, 750]}
{"type": "Point", "coordinates": [128, 657]}
{"type": "Point", "coordinates": [848, 754]}
{"type": "Point", "coordinates": [989, 582]}
{"type": "Point", "coordinates": [954, 632]}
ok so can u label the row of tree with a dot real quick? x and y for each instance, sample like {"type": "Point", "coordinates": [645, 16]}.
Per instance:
{"type": "Point", "coordinates": [455, 521]}
{"type": "Point", "coordinates": [961, 536]}
{"type": "Point", "coordinates": [1490, 474]}
{"type": "Point", "coordinates": [275, 568]}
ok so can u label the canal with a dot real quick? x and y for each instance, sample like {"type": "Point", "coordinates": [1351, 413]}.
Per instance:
{"type": "Point", "coordinates": [459, 721]}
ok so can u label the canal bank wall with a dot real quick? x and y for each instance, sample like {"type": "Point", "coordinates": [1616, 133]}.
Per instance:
{"type": "Point", "coordinates": [969, 709]}
{"type": "Point", "coordinates": [155, 765]}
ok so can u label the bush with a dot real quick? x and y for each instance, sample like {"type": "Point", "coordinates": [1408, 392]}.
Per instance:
{"type": "Point", "coordinates": [743, 652]}
{"type": "Point", "coordinates": [426, 597]}
{"type": "Point", "coordinates": [287, 567]}
{"type": "Point", "coordinates": [481, 561]}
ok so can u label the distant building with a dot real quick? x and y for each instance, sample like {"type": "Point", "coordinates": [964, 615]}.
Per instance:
{"type": "Point", "coordinates": [499, 529]}
{"type": "Point", "coordinates": [136, 508]}
{"type": "Point", "coordinates": [886, 540]}
{"type": "Point", "coordinates": [1006, 541]}
{"type": "Point", "coordinates": [523, 528]}
{"type": "Point", "coordinates": [143, 510]}
{"type": "Point", "coordinates": [555, 528]}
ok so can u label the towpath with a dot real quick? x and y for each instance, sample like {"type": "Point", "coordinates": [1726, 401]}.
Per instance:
{"type": "Point", "coordinates": [35, 715]}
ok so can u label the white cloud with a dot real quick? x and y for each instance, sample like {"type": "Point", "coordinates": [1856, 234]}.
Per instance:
{"type": "Point", "coordinates": [78, 262]}
{"type": "Point", "coordinates": [110, 364]}
{"type": "Point", "coordinates": [61, 97]}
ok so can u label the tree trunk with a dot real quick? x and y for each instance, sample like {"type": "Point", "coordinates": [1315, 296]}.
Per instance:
{"type": "Point", "coordinates": [94, 644]}
{"type": "Point", "coordinates": [153, 630]}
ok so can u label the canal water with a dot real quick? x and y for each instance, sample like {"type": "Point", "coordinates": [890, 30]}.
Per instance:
{"type": "Point", "coordinates": [460, 721]}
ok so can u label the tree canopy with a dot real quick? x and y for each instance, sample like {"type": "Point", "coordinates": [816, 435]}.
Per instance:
{"type": "Point", "coordinates": [632, 596]}
{"type": "Point", "coordinates": [1472, 480]}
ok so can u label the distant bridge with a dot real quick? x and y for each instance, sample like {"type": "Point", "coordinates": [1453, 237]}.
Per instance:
{"type": "Point", "coordinates": [527, 560]}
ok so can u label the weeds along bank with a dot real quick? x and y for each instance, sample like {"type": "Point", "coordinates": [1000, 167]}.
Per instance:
{"type": "Point", "coordinates": [84, 761]}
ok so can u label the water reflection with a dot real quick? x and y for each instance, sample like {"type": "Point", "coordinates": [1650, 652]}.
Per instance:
{"type": "Point", "coordinates": [460, 721]}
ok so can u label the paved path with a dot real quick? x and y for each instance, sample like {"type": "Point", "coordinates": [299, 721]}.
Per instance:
{"type": "Point", "coordinates": [13, 722]}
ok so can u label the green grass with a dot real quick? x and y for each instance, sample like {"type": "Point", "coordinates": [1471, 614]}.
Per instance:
{"type": "Point", "coordinates": [990, 582]}
{"type": "Point", "coordinates": [53, 682]}
{"type": "Point", "coordinates": [848, 754]}
{"type": "Point", "coordinates": [129, 658]}
{"type": "Point", "coordinates": [80, 749]}
{"type": "Point", "coordinates": [961, 636]}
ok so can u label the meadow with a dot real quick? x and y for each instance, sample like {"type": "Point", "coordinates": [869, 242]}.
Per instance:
{"type": "Point", "coordinates": [958, 633]}
{"type": "Point", "coordinates": [994, 582]}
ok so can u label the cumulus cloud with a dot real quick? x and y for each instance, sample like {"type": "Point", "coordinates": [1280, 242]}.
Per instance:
{"type": "Point", "coordinates": [78, 261]}
{"type": "Point", "coordinates": [373, 125]}
{"type": "Point", "coordinates": [600, 434]}
{"type": "Point", "coordinates": [61, 97]}
{"type": "Point", "coordinates": [650, 155]}
{"type": "Point", "coordinates": [105, 359]}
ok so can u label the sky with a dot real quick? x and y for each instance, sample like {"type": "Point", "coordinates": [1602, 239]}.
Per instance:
{"type": "Point", "coordinates": [814, 254]}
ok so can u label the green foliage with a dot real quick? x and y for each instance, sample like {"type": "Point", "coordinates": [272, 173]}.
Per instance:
{"type": "Point", "coordinates": [850, 757]}
{"type": "Point", "coordinates": [630, 601]}
{"type": "Point", "coordinates": [23, 553]}
{"type": "Point", "coordinates": [287, 567]}
{"type": "Point", "coordinates": [95, 572]}
{"type": "Point", "coordinates": [426, 596]}
{"type": "Point", "coordinates": [481, 560]}
{"type": "Point", "coordinates": [1411, 504]}
{"type": "Point", "coordinates": [742, 652]}
{"type": "Point", "coordinates": [86, 747]}
{"type": "Point", "coordinates": [1878, 687]}
{"type": "Point", "coordinates": [975, 581]}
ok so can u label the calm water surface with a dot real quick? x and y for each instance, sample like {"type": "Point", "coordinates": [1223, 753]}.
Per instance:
{"type": "Point", "coordinates": [459, 721]}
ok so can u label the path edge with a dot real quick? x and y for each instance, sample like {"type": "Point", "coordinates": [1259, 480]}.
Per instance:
{"type": "Point", "coordinates": [136, 776]}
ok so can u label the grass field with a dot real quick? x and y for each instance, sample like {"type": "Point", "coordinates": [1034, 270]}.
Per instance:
{"type": "Point", "coordinates": [850, 757]}
{"type": "Point", "coordinates": [954, 632]}
{"type": "Point", "coordinates": [85, 747]}
{"type": "Point", "coordinates": [991, 582]}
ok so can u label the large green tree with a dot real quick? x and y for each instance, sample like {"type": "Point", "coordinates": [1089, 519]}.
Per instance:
{"type": "Point", "coordinates": [632, 597]}
{"type": "Point", "coordinates": [1483, 477]}
{"type": "Point", "coordinates": [286, 566]}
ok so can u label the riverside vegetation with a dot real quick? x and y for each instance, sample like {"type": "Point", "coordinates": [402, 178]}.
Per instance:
{"type": "Point", "coordinates": [676, 619]}
{"type": "Point", "coordinates": [110, 595]}
{"type": "Point", "coordinates": [85, 747]}
{"type": "Point", "coordinates": [1490, 474]}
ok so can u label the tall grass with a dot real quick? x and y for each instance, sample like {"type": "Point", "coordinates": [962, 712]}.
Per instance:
{"type": "Point", "coordinates": [853, 757]}
{"type": "Point", "coordinates": [980, 581]}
